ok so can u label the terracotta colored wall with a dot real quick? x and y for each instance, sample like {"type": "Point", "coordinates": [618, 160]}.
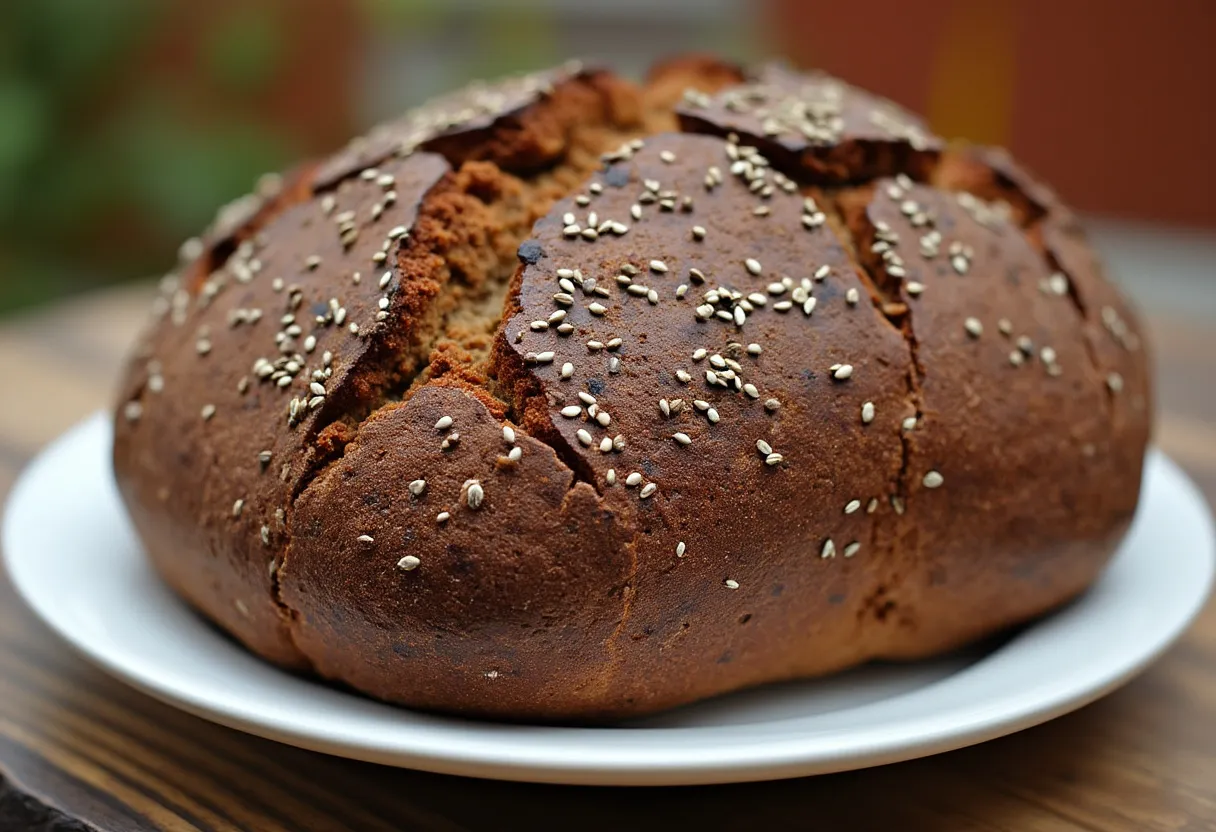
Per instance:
{"type": "Point", "coordinates": [1113, 101]}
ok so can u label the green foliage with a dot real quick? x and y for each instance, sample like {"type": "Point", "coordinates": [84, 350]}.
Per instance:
{"type": "Point", "coordinates": [104, 165]}
{"type": "Point", "coordinates": [244, 49]}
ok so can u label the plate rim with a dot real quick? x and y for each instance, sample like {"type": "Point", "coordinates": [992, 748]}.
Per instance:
{"type": "Point", "coordinates": [775, 758]}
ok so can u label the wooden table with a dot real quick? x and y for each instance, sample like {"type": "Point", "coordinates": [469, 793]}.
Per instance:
{"type": "Point", "coordinates": [79, 750]}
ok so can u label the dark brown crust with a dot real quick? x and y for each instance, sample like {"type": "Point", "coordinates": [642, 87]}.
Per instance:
{"type": "Point", "coordinates": [817, 125]}
{"type": "Point", "coordinates": [565, 594]}
{"type": "Point", "coordinates": [498, 122]}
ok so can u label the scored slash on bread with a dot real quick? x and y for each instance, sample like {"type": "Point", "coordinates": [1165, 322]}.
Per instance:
{"type": "Point", "coordinates": [511, 391]}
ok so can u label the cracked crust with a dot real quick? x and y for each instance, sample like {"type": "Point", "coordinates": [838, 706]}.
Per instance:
{"type": "Point", "coordinates": [319, 462]}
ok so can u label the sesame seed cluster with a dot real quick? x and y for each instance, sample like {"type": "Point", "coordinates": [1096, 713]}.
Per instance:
{"type": "Point", "coordinates": [553, 400]}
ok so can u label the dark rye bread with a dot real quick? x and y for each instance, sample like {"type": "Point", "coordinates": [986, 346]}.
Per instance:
{"type": "Point", "coordinates": [640, 395]}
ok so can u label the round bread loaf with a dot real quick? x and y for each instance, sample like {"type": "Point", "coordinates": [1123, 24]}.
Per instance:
{"type": "Point", "coordinates": [563, 398]}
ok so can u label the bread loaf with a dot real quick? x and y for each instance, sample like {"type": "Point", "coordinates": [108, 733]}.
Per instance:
{"type": "Point", "coordinates": [564, 398]}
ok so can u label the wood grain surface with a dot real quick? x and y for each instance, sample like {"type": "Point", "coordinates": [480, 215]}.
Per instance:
{"type": "Point", "coordinates": [81, 751]}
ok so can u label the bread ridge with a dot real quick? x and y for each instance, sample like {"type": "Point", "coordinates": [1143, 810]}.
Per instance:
{"type": "Point", "coordinates": [508, 388]}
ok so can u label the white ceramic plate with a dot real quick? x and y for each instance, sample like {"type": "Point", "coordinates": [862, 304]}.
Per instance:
{"type": "Point", "coordinates": [74, 558]}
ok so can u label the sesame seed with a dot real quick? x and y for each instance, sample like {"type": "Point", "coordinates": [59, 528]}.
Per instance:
{"type": "Point", "coordinates": [682, 438]}
{"type": "Point", "coordinates": [265, 535]}
{"type": "Point", "coordinates": [933, 479]}
{"type": "Point", "coordinates": [444, 423]}
{"type": "Point", "coordinates": [605, 445]}
{"type": "Point", "coordinates": [751, 391]}
{"type": "Point", "coordinates": [515, 454]}
{"type": "Point", "coordinates": [442, 517]}
{"type": "Point", "coordinates": [603, 418]}
{"type": "Point", "coordinates": [597, 308]}
{"type": "Point", "coordinates": [973, 327]}
{"type": "Point", "coordinates": [610, 476]}
{"type": "Point", "coordinates": [409, 563]}
{"type": "Point", "coordinates": [683, 376]}
{"type": "Point", "coordinates": [1114, 381]}
{"type": "Point", "coordinates": [208, 412]}
{"type": "Point", "coordinates": [667, 156]}
{"type": "Point", "coordinates": [1016, 358]}
{"type": "Point", "coordinates": [774, 459]}
{"type": "Point", "coordinates": [658, 266]}
{"type": "Point", "coordinates": [730, 583]}
{"type": "Point", "coordinates": [567, 370]}
{"type": "Point", "coordinates": [852, 506]}
{"type": "Point", "coordinates": [647, 490]}
{"type": "Point", "coordinates": [840, 372]}
{"type": "Point", "coordinates": [681, 549]}
{"type": "Point", "coordinates": [808, 305]}
{"type": "Point", "coordinates": [852, 296]}
{"type": "Point", "coordinates": [474, 494]}
{"type": "Point", "coordinates": [852, 549]}
{"type": "Point", "coordinates": [237, 508]}
{"type": "Point", "coordinates": [909, 423]}
{"type": "Point", "coordinates": [753, 266]}
{"type": "Point", "coordinates": [366, 538]}
{"type": "Point", "coordinates": [763, 447]}
{"type": "Point", "coordinates": [867, 413]}
{"type": "Point", "coordinates": [1048, 355]}
{"type": "Point", "coordinates": [633, 480]}
{"type": "Point", "coordinates": [828, 550]}
{"type": "Point", "coordinates": [508, 434]}
{"type": "Point", "coordinates": [614, 365]}
{"type": "Point", "coordinates": [914, 288]}
{"type": "Point", "coordinates": [712, 415]}
{"type": "Point", "coordinates": [545, 357]}
{"type": "Point", "coordinates": [584, 437]}
{"type": "Point", "coordinates": [417, 487]}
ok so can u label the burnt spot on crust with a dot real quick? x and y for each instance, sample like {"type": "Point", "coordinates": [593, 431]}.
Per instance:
{"type": "Point", "coordinates": [530, 252]}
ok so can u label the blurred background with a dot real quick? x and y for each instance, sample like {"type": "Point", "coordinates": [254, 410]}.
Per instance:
{"type": "Point", "coordinates": [125, 123]}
